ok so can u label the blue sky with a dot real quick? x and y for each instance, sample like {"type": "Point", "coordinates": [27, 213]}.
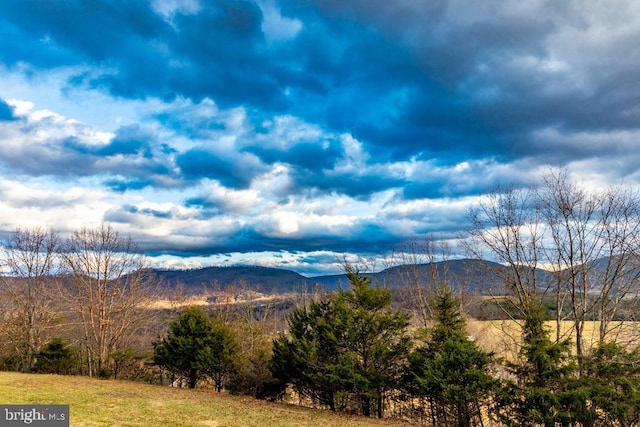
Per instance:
{"type": "Point", "coordinates": [295, 133]}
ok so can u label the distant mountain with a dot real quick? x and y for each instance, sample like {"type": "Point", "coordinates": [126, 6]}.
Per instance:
{"type": "Point", "coordinates": [261, 279]}
{"type": "Point", "coordinates": [473, 276]}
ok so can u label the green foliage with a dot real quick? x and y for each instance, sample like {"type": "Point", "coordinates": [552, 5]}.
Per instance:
{"type": "Point", "coordinates": [55, 358]}
{"type": "Point", "coordinates": [217, 357]}
{"type": "Point", "coordinates": [346, 351]}
{"type": "Point", "coordinates": [104, 373]}
{"type": "Point", "coordinates": [375, 343]}
{"type": "Point", "coordinates": [252, 376]}
{"type": "Point", "coordinates": [609, 392]}
{"type": "Point", "coordinates": [542, 394]}
{"type": "Point", "coordinates": [197, 347]}
{"type": "Point", "coordinates": [450, 370]}
{"type": "Point", "coordinates": [308, 357]}
{"type": "Point", "coordinates": [9, 363]}
{"type": "Point", "coordinates": [128, 364]}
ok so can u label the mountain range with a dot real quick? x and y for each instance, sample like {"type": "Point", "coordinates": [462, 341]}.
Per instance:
{"type": "Point", "coordinates": [474, 276]}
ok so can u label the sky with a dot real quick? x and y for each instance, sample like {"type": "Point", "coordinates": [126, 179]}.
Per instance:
{"type": "Point", "coordinates": [298, 133]}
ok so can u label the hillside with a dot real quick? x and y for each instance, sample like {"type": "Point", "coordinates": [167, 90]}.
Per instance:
{"type": "Point", "coordinates": [474, 276]}
{"type": "Point", "coordinates": [262, 279]}
{"type": "Point", "coordinates": [95, 402]}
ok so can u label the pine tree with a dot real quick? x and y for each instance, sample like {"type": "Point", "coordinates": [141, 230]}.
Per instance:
{"type": "Point", "coordinates": [217, 358]}
{"type": "Point", "coordinates": [55, 358]}
{"type": "Point", "coordinates": [543, 374]}
{"type": "Point", "coordinates": [608, 394]}
{"type": "Point", "coordinates": [450, 370]}
{"type": "Point", "coordinates": [346, 351]}
{"type": "Point", "coordinates": [375, 342]}
{"type": "Point", "coordinates": [196, 347]}
{"type": "Point", "coordinates": [307, 357]}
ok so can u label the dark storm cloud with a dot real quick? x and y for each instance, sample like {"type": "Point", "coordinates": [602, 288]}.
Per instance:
{"type": "Point", "coordinates": [132, 159]}
{"type": "Point", "coordinates": [364, 238]}
{"type": "Point", "coordinates": [150, 212]}
{"type": "Point", "coordinates": [482, 77]}
{"type": "Point", "coordinates": [232, 171]}
{"type": "Point", "coordinates": [349, 77]}
{"type": "Point", "coordinates": [310, 155]}
{"type": "Point", "coordinates": [129, 140]}
{"type": "Point", "coordinates": [120, 185]}
{"type": "Point", "coordinates": [406, 78]}
{"type": "Point", "coordinates": [213, 207]}
{"type": "Point", "coordinates": [360, 185]}
{"type": "Point", "coordinates": [289, 102]}
{"type": "Point", "coordinates": [59, 33]}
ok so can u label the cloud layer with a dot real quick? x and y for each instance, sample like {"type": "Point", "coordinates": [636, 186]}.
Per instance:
{"type": "Point", "coordinates": [291, 133]}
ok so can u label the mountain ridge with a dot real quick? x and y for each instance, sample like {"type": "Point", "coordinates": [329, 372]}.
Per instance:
{"type": "Point", "coordinates": [473, 275]}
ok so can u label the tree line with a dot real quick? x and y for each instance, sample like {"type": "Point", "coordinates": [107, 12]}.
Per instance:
{"type": "Point", "coordinates": [351, 351]}
{"type": "Point", "coordinates": [93, 284]}
{"type": "Point", "coordinates": [83, 305]}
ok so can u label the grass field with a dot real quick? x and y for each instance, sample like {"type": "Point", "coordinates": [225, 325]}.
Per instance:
{"type": "Point", "coordinates": [503, 337]}
{"type": "Point", "coordinates": [119, 403]}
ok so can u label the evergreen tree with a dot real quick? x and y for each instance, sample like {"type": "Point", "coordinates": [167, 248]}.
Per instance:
{"type": "Point", "coordinates": [196, 347]}
{"type": "Point", "coordinates": [543, 374]}
{"type": "Point", "coordinates": [375, 342]}
{"type": "Point", "coordinates": [217, 358]}
{"type": "Point", "coordinates": [346, 351]}
{"type": "Point", "coordinates": [55, 358]}
{"type": "Point", "coordinates": [308, 357]}
{"type": "Point", "coordinates": [252, 376]}
{"type": "Point", "coordinates": [450, 370]}
{"type": "Point", "coordinates": [608, 394]}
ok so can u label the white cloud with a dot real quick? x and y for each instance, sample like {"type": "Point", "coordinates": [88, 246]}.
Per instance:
{"type": "Point", "coordinates": [277, 28]}
{"type": "Point", "coordinates": [168, 8]}
{"type": "Point", "coordinates": [33, 202]}
{"type": "Point", "coordinates": [287, 222]}
{"type": "Point", "coordinates": [231, 201]}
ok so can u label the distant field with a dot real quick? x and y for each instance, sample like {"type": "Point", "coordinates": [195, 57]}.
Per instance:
{"type": "Point", "coordinates": [119, 403]}
{"type": "Point", "coordinates": [503, 336]}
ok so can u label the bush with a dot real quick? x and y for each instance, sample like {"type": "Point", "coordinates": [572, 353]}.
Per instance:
{"type": "Point", "coordinates": [55, 358]}
{"type": "Point", "coordinates": [252, 376]}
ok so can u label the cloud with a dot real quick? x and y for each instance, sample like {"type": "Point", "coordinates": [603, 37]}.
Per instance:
{"type": "Point", "coordinates": [235, 170]}
{"type": "Point", "coordinates": [208, 128]}
{"type": "Point", "coordinates": [44, 143]}
{"type": "Point", "coordinates": [217, 199]}
{"type": "Point", "coordinates": [277, 28]}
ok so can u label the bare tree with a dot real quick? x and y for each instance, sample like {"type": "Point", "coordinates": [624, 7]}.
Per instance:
{"type": "Point", "coordinates": [507, 225]}
{"type": "Point", "coordinates": [572, 215]}
{"type": "Point", "coordinates": [619, 275]}
{"type": "Point", "coordinates": [589, 241]}
{"type": "Point", "coordinates": [29, 260]}
{"type": "Point", "coordinates": [110, 289]}
{"type": "Point", "coordinates": [594, 247]}
{"type": "Point", "coordinates": [422, 269]}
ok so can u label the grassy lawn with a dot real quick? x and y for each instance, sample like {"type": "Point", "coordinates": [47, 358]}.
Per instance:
{"type": "Point", "coordinates": [119, 403]}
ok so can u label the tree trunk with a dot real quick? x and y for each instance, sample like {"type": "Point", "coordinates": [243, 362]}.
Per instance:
{"type": "Point", "coordinates": [366, 406]}
{"type": "Point", "coordinates": [193, 378]}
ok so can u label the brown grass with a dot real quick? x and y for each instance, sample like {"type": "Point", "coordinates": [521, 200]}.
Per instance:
{"type": "Point", "coordinates": [503, 337]}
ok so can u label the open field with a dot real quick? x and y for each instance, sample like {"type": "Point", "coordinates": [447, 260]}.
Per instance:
{"type": "Point", "coordinates": [119, 403]}
{"type": "Point", "coordinates": [504, 336]}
